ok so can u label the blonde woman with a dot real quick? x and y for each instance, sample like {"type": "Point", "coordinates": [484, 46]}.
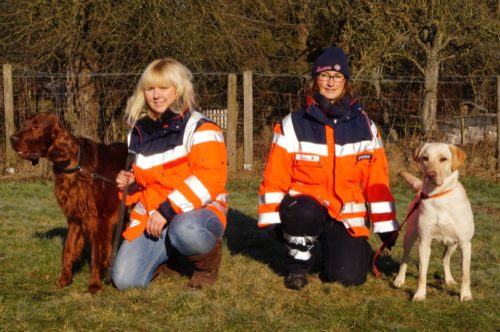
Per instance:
{"type": "Point", "coordinates": [177, 182]}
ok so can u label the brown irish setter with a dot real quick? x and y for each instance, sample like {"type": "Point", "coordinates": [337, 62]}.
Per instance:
{"type": "Point", "coordinates": [84, 187]}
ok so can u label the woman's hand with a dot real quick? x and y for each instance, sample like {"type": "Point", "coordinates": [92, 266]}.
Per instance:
{"type": "Point", "coordinates": [156, 223]}
{"type": "Point", "coordinates": [124, 178]}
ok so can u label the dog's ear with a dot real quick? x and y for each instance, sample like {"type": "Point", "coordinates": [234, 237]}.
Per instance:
{"type": "Point", "coordinates": [457, 157]}
{"type": "Point", "coordinates": [57, 153]}
{"type": "Point", "coordinates": [56, 130]}
{"type": "Point", "coordinates": [59, 148]}
{"type": "Point", "coordinates": [416, 151]}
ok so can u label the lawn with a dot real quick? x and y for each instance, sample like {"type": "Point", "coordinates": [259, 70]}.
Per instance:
{"type": "Point", "coordinates": [249, 295]}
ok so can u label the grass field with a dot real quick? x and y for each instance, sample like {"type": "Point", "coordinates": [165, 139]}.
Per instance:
{"type": "Point", "coordinates": [249, 295]}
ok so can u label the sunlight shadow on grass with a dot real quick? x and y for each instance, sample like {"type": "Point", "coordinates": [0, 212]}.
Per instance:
{"type": "Point", "coordinates": [244, 237]}
{"type": "Point", "coordinates": [62, 232]}
{"type": "Point", "coordinates": [387, 265]}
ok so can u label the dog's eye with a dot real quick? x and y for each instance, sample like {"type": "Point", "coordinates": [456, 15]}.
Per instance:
{"type": "Point", "coordinates": [425, 158]}
{"type": "Point", "coordinates": [443, 159]}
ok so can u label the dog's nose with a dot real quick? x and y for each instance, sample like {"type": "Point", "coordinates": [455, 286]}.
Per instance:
{"type": "Point", "coordinates": [13, 139]}
{"type": "Point", "coordinates": [432, 174]}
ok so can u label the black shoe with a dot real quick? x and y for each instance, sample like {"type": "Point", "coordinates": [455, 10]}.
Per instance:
{"type": "Point", "coordinates": [295, 281]}
{"type": "Point", "coordinates": [323, 277]}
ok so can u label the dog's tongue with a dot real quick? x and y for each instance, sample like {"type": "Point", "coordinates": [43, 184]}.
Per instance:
{"type": "Point", "coordinates": [34, 162]}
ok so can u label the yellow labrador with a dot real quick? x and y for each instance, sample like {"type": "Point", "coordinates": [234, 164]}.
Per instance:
{"type": "Point", "coordinates": [443, 212]}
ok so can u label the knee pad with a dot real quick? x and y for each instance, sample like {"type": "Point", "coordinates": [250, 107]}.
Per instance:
{"type": "Point", "coordinates": [299, 247]}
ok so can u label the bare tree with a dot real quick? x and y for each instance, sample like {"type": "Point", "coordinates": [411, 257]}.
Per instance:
{"type": "Point", "coordinates": [426, 35]}
{"type": "Point", "coordinates": [82, 38]}
{"type": "Point", "coordinates": [60, 37]}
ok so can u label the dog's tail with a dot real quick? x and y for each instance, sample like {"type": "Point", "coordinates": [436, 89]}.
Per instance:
{"type": "Point", "coordinates": [412, 180]}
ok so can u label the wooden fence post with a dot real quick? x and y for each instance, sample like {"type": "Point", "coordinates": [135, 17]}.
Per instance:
{"type": "Point", "coordinates": [232, 122]}
{"type": "Point", "coordinates": [247, 120]}
{"type": "Point", "coordinates": [498, 129]}
{"type": "Point", "coordinates": [8, 98]}
{"type": "Point", "coordinates": [463, 112]}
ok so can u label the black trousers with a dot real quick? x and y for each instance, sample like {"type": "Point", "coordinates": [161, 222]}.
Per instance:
{"type": "Point", "coordinates": [345, 259]}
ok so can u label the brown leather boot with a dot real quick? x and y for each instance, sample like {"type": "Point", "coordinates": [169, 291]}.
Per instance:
{"type": "Point", "coordinates": [206, 267]}
{"type": "Point", "coordinates": [165, 270]}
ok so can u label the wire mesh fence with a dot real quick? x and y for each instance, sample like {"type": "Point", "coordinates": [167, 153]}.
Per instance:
{"type": "Point", "coordinates": [466, 105]}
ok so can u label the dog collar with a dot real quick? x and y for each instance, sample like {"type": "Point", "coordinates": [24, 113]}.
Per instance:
{"type": "Point", "coordinates": [426, 196]}
{"type": "Point", "coordinates": [77, 167]}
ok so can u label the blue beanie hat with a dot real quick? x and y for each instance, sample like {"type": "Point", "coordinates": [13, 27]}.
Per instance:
{"type": "Point", "coordinates": [332, 58]}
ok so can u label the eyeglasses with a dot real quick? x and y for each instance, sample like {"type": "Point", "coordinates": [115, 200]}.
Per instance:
{"type": "Point", "coordinates": [337, 78]}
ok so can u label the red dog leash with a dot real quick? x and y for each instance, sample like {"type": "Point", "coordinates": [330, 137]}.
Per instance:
{"type": "Point", "coordinates": [422, 196]}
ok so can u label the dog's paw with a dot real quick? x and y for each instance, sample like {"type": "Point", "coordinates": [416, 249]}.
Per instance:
{"type": "Point", "coordinates": [418, 297]}
{"type": "Point", "coordinates": [450, 282]}
{"type": "Point", "coordinates": [398, 282]}
{"type": "Point", "coordinates": [94, 288]}
{"type": "Point", "coordinates": [465, 298]}
{"type": "Point", "coordinates": [465, 295]}
{"type": "Point", "coordinates": [64, 280]}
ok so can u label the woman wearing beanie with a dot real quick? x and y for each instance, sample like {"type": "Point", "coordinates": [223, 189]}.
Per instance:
{"type": "Point", "coordinates": [326, 180]}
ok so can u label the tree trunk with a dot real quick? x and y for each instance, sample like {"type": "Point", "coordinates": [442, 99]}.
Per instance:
{"type": "Point", "coordinates": [88, 105]}
{"type": "Point", "coordinates": [301, 63]}
{"type": "Point", "coordinates": [82, 106]}
{"type": "Point", "coordinates": [70, 114]}
{"type": "Point", "coordinates": [429, 106]}
{"type": "Point", "coordinates": [82, 112]}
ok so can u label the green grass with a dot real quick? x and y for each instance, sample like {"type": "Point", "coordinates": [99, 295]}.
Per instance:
{"type": "Point", "coordinates": [249, 295]}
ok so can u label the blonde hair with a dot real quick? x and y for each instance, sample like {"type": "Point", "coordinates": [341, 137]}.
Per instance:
{"type": "Point", "coordinates": [165, 73]}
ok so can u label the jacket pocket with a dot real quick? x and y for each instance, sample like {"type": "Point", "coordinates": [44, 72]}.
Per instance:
{"type": "Point", "coordinates": [308, 169]}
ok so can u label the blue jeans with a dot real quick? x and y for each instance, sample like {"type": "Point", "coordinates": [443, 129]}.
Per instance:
{"type": "Point", "coordinates": [192, 233]}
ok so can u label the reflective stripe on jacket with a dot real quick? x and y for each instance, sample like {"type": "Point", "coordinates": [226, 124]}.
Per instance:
{"type": "Point", "coordinates": [346, 172]}
{"type": "Point", "coordinates": [179, 167]}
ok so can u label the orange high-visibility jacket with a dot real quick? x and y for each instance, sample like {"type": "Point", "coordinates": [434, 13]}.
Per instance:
{"type": "Point", "coordinates": [180, 165]}
{"type": "Point", "coordinates": [341, 163]}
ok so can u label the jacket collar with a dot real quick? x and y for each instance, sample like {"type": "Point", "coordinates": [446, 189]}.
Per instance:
{"type": "Point", "coordinates": [148, 128]}
{"type": "Point", "coordinates": [330, 114]}
{"type": "Point", "coordinates": [165, 120]}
